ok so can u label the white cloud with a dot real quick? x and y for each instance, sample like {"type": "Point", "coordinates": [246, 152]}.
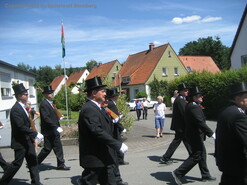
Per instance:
{"type": "Point", "coordinates": [194, 18]}
{"type": "Point", "coordinates": [157, 42]}
{"type": "Point", "coordinates": [211, 19]}
{"type": "Point", "coordinates": [179, 20]}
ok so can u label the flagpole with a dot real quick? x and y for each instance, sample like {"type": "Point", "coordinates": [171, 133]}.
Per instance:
{"type": "Point", "coordinates": [65, 84]}
{"type": "Point", "coordinates": [66, 95]}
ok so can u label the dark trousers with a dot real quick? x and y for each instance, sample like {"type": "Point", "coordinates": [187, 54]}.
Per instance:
{"type": "Point", "coordinates": [32, 163]}
{"type": "Point", "coordinates": [228, 179]}
{"type": "Point", "coordinates": [120, 157]}
{"type": "Point", "coordinates": [3, 163]}
{"type": "Point", "coordinates": [179, 137]}
{"type": "Point", "coordinates": [145, 112]}
{"type": "Point", "coordinates": [198, 156]}
{"type": "Point", "coordinates": [52, 142]}
{"type": "Point", "coordinates": [138, 113]}
{"type": "Point", "coordinates": [103, 176]}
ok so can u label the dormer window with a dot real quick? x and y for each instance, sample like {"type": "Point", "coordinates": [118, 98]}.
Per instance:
{"type": "Point", "coordinates": [126, 79]}
{"type": "Point", "coordinates": [189, 69]}
{"type": "Point", "coordinates": [169, 54]}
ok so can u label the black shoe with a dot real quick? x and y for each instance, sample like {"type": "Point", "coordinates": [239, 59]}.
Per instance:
{"type": "Point", "coordinates": [63, 167]}
{"type": "Point", "coordinates": [176, 178]}
{"type": "Point", "coordinates": [210, 178]}
{"type": "Point", "coordinates": [122, 183]}
{"type": "Point", "coordinates": [124, 163]}
{"type": "Point", "coordinates": [166, 161]}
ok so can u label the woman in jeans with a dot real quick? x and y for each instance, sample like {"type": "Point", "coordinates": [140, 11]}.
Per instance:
{"type": "Point", "coordinates": [159, 111]}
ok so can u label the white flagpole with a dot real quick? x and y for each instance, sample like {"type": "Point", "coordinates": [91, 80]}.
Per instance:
{"type": "Point", "coordinates": [66, 95]}
{"type": "Point", "coordinates": [65, 79]}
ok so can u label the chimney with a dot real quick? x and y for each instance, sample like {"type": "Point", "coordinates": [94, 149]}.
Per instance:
{"type": "Point", "coordinates": [151, 46]}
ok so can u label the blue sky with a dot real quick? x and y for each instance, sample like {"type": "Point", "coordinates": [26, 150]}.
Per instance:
{"type": "Point", "coordinates": [105, 30]}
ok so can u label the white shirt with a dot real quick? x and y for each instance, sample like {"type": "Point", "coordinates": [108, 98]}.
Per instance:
{"type": "Point", "coordinates": [145, 103]}
{"type": "Point", "coordinates": [23, 106]}
{"type": "Point", "coordinates": [159, 110]}
{"type": "Point", "coordinates": [96, 103]}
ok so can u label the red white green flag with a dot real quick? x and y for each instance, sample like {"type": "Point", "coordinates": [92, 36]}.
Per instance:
{"type": "Point", "coordinates": [63, 42]}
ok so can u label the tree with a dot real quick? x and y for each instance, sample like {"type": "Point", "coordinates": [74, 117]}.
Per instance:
{"type": "Point", "coordinates": [209, 47]}
{"type": "Point", "coordinates": [158, 88]}
{"type": "Point", "coordinates": [90, 64]}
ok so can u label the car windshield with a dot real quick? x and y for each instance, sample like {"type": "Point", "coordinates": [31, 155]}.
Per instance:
{"type": "Point", "coordinates": [131, 101]}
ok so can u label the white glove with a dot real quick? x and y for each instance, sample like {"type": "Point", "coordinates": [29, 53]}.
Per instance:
{"type": "Point", "coordinates": [214, 136]}
{"type": "Point", "coordinates": [61, 118]}
{"type": "Point", "coordinates": [40, 137]}
{"type": "Point", "coordinates": [124, 148]}
{"type": "Point", "coordinates": [124, 130]}
{"type": "Point", "coordinates": [60, 130]}
{"type": "Point", "coordinates": [120, 116]}
{"type": "Point", "coordinates": [115, 120]}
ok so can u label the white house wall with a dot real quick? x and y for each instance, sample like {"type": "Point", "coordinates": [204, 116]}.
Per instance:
{"type": "Point", "coordinates": [7, 102]}
{"type": "Point", "coordinates": [240, 48]}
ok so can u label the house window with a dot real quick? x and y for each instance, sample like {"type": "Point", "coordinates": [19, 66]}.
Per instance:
{"type": "Point", "coordinates": [117, 68]}
{"type": "Point", "coordinates": [189, 69]}
{"type": "Point", "coordinates": [244, 60]}
{"type": "Point", "coordinates": [169, 54]}
{"type": "Point", "coordinates": [176, 71]}
{"type": "Point", "coordinates": [113, 78]}
{"type": "Point", "coordinates": [136, 91]}
{"type": "Point", "coordinates": [126, 79]}
{"type": "Point", "coordinates": [31, 88]}
{"type": "Point", "coordinates": [5, 84]}
{"type": "Point", "coordinates": [164, 71]}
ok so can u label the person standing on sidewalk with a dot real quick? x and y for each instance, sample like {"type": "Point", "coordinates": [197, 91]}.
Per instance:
{"type": "Point", "coordinates": [145, 108]}
{"type": "Point", "coordinates": [22, 139]}
{"type": "Point", "coordinates": [112, 96]}
{"type": "Point", "coordinates": [138, 109]}
{"type": "Point", "coordinates": [97, 146]}
{"type": "Point", "coordinates": [159, 113]}
{"type": "Point", "coordinates": [231, 138]}
{"type": "Point", "coordinates": [50, 128]}
{"type": "Point", "coordinates": [196, 131]}
{"type": "Point", "coordinates": [178, 124]}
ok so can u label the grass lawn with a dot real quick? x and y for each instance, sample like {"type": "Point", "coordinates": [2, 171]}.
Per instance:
{"type": "Point", "coordinates": [74, 115]}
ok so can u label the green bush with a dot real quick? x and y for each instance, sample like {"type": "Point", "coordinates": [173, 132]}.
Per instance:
{"type": "Point", "coordinates": [214, 86]}
{"type": "Point", "coordinates": [141, 94]}
{"type": "Point", "coordinates": [127, 119]}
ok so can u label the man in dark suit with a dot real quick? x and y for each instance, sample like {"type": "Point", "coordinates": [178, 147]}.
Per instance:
{"type": "Point", "coordinates": [231, 138]}
{"type": "Point", "coordinates": [50, 128]}
{"type": "Point", "coordinates": [22, 139]}
{"type": "Point", "coordinates": [96, 144]}
{"type": "Point", "coordinates": [196, 131]}
{"type": "Point", "coordinates": [3, 163]}
{"type": "Point", "coordinates": [112, 97]}
{"type": "Point", "coordinates": [178, 124]}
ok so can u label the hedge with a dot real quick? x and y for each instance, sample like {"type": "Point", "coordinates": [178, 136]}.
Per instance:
{"type": "Point", "coordinates": [214, 86]}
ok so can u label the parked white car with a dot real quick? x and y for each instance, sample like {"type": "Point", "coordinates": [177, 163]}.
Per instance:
{"type": "Point", "coordinates": [132, 103]}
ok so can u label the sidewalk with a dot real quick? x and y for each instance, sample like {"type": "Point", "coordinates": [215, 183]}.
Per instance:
{"type": "Point", "coordinates": [144, 154]}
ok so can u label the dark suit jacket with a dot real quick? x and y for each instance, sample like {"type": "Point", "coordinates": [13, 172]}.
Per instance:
{"type": "Point", "coordinates": [195, 125]}
{"type": "Point", "coordinates": [118, 127]}
{"type": "Point", "coordinates": [178, 122]}
{"type": "Point", "coordinates": [22, 136]}
{"type": "Point", "coordinates": [231, 141]}
{"type": "Point", "coordinates": [96, 143]}
{"type": "Point", "coordinates": [49, 119]}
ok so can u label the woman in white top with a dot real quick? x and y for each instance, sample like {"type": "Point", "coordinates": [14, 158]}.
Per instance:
{"type": "Point", "coordinates": [159, 111]}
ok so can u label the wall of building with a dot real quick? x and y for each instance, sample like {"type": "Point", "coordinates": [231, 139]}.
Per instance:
{"type": "Point", "coordinates": [240, 48]}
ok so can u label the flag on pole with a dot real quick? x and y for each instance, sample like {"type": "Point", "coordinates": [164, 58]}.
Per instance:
{"type": "Point", "coordinates": [63, 42]}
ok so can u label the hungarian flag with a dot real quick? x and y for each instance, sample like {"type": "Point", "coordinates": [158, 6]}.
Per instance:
{"type": "Point", "coordinates": [63, 42]}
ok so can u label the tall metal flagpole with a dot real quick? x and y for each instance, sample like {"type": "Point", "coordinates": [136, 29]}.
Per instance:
{"type": "Point", "coordinates": [65, 84]}
{"type": "Point", "coordinates": [66, 95]}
